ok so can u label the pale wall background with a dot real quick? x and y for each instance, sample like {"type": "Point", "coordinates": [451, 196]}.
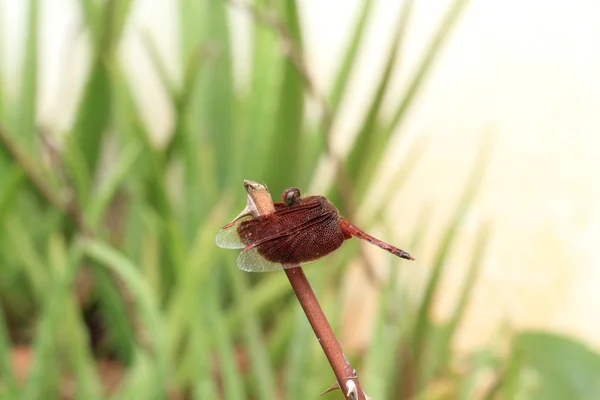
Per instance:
{"type": "Point", "coordinates": [527, 72]}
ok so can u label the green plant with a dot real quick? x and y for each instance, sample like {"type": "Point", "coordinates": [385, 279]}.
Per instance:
{"type": "Point", "coordinates": [114, 262]}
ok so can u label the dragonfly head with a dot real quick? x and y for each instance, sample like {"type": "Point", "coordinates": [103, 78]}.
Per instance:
{"type": "Point", "coordinates": [290, 196]}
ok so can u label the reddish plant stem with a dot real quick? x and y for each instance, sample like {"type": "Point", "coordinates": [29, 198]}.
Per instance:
{"type": "Point", "coordinates": [331, 347]}
{"type": "Point", "coordinates": [260, 203]}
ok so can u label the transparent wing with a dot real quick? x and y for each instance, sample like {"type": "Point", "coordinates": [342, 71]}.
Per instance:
{"type": "Point", "coordinates": [251, 261]}
{"type": "Point", "coordinates": [228, 237]}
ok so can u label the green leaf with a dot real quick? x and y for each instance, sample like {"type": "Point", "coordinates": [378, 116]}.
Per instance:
{"type": "Point", "coordinates": [206, 23]}
{"type": "Point", "coordinates": [483, 237]}
{"type": "Point", "coordinates": [9, 185]}
{"type": "Point", "coordinates": [375, 133]}
{"type": "Point", "coordinates": [34, 267]}
{"type": "Point", "coordinates": [262, 100]}
{"type": "Point", "coordinates": [422, 323]}
{"type": "Point", "coordinates": [91, 10]}
{"type": "Point", "coordinates": [408, 165]}
{"type": "Point", "coordinates": [437, 352]}
{"type": "Point", "coordinates": [159, 65]}
{"type": "Point", "coordinates": [282, 166]}
{"type": "Point", "coordinates": [270, 290]}
{"type": "Point", "coordinates": [557, 367]}
{"type": "Point", "coordinates": [370, 142]}
{"type": "Point", "coordinates": [93, 115]}
{"type": "Point", "coordinates": [196, 273]}
{"type": "Point", "coordinates": [262, 372]}
{"type": "Point", "coordinates": [43, 380]}
{"type": "Point", "coordinates": [44, 371]}
{"type": "Point", "coordinates": [77, 168]}
{"type": "Point", "coordinates": [145, 301]}
{"type": "Point", "coordinates": [120, 334]}
{"type": "Point", "coordinates": [233, 379]}
{"type": "Point", "coordinates": [140, 379]}
{"type": "Point", "coordinates": [383, 363]}
{"type": "Point", "coordinates": [341, 80]}
{"type": "Point", "coordinates": [72, 334]}
{"type": "Point", "coordinates": [26, 130]}
{"type": "Point", "coordinates": [433, 50]}
{"type": "Point", "coordinates": [117, 174]}
{"type": "Point", "coordinates": [152, 170]}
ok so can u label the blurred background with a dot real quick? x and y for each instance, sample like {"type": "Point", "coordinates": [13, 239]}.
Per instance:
{"type": "Point", "coordinates": [464, 132]}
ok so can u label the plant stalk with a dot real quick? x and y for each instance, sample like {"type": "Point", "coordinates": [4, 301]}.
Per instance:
{"type": "Point", "coordinates": [261, 203]}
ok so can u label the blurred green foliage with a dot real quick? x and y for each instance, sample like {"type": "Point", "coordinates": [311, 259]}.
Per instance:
{"type": "Point", "coordinates": [109, 268]}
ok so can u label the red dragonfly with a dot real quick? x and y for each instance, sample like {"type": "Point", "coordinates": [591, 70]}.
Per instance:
{"type": "Point", "coordinates": [300, 230]}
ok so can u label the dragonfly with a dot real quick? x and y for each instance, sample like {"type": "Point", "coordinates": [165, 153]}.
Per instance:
{"type": "Point", "coordinates": [300, 230]}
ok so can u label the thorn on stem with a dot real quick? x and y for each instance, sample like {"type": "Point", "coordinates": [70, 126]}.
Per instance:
{"type": "Point", "coordinates": [351, 390]}
{"type": "Point", "coordinates": [331, 388]}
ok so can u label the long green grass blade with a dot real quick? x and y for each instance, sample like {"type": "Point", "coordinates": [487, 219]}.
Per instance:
{"type": "Point", "coordinates": [422, 324]}
{"type": "Point", "coordinates": [182, 99]}
{"type": "Point", "coordinates": [284, 156]}
{"type": "Point", "coordinates": [197, 190]}
{"type": "Point", "coordinates": [93, 115]}
{"type": "Point", "coordinates": [205, 23]}
{"type": "Point", "coordinates": [196, 274]}
{"type": "Point", "coordinates": [370, 142]}
{"type": "Point", "coordinates": [120, 169]}
{"type": "Point", "coordinates": [94, 110]}
{"type": "Point", "coordinates": [233, 382]}
{"type": "Point", "coordinates": [266, 74]}
{"type": "Point", "coordinates": [140, 379]}
{"type": "Point", "coordinates": [90, 11]}
{"type": "Point", "coordinates": [159, 65]}
{"type": "Point", "coordinates": [382, 365]}
{"type": "Point", "coordinates": [433, 50]}
{"type": "Point", "coordinates": [280, 334]}
{"type": "Point", "coordinates": [408, 165]}
{"type": "Point", "coordinates": [298, 357]}
{"type": "Point", "coordinates": [268, 291]}
{"type": "Point", "coordinates": [77, 168]}
{"type": "Point", "coordinates": [9, 185]}
{"type": "Point", "coordinates": [436, 358]}
{"type": "Point", "coordinates": [114, 311]}
{"type": "Point", "coordinates": [73, 332]}
{"type": "Point", "coordinates": [200, 360]}
{"type": "Point", "coordinates": [145, 301]}
{"type": "Point", "coordinates": [120, 10]}
{"type": "Point", "coordinates": [44, 371]}
{"type": "Point", "coordinates": [152, 170]}
{"type": "Point", "coordinates": [28, 91]}
{"type": "Point", "coordinates": [262, 372]}
{"type": "Point", "coordinates": [151, 181]}
{"type": "Point", "coordinates": [33, 265]}
{"type": "Point", "coordinates": [44, 376]}
{"type": "Point", "coordinates": [483, 236]}
{"type": "Point", "coordinates": [341, 80]}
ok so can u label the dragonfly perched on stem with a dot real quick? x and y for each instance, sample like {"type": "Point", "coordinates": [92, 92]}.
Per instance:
{"type": "Point", "coordinates": [300, 230]}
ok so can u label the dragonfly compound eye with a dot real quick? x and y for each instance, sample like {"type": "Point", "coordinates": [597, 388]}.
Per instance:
{"type": "Point", "coordinates": [290, 196]}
